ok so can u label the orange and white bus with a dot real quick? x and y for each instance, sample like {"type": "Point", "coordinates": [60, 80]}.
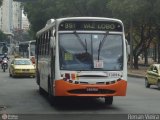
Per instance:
{"type": "Point", "coordinates": [82, 56]}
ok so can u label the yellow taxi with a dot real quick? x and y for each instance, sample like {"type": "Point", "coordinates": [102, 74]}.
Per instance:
{"type": "Point", "coordinates": [22, 67]}
{"type": "Point", "coordinates": [153, 76]}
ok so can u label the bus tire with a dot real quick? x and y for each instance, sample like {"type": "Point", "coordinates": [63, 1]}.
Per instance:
{"type": "Point", "coordinates": [108, 100]}
{"type": "Point", "coordinates": [41, 91]}
{"type": "Point", "coordinates": [51, 98]}
{"type": "Point", "coordinates": [38, 78]}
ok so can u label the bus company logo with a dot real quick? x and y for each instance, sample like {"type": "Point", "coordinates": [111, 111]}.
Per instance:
{"type": "Point", "coordinates": [4, 116]}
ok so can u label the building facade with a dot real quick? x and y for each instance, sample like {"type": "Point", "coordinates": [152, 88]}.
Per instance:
{"type": "Point", "coordinates": [25, 22]}
{"type": "Point", "coordinates": [10, 16]}
{"type": "Point", "coordinates": [17, 15]}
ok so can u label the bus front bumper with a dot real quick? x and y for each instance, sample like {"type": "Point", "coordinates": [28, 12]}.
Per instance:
{"type": "Point", "coordinates": [64, 88]}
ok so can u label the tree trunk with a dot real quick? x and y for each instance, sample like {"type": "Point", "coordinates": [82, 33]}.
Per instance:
{"type": "Point", "coordinates": [158, 35]}
{"type": "Point", "coordinates": [136, 62]}
{"type": "Point", "coordinates": [131, 43]}
{"type": "Point", "coordinates": [146, 57]}
{"type": "Point", "coordinates": [155, 53]}
{"type": "Point", "coordinates": [159, 51]}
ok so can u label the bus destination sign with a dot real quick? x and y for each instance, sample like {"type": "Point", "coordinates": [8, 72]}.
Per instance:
{"type": "Point", "coordinates": [91, 25]}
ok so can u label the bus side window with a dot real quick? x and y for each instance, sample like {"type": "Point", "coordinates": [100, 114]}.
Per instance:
{"type": "Point", "coordinates": [36, 46]}
{"type": "Point", "coordinates": [43, 43]}
{"type": "Point", "coordinates": [47, 42]}
{"type": "Point", "coordinates": [49, 35]}
{"type": "Point", "coordinates": [39, 45]}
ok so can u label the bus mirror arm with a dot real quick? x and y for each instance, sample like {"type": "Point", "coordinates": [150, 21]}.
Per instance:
{"type": "Point", "coordinates": [128, 47]}
{"type": "Point", "coordinates": [52, 41]}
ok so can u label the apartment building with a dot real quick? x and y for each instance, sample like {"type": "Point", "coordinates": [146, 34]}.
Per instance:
{"type": "Point", "coordinates": [10, 16]}
{"type": "Point", "coordinates": [25, 22]}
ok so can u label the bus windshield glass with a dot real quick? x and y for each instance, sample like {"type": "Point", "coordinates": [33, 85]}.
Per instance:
{"type": "Point", "coordinates": [90, 51]}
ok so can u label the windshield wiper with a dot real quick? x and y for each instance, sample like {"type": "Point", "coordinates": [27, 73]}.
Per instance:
{"type": "Point", "coordinates": [80, 40]}
{"type": "Point", "coordinates": [101, 43]}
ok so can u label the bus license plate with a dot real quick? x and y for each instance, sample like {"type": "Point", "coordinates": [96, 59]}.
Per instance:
{"type": "Point", "coordinates": [90, 89]}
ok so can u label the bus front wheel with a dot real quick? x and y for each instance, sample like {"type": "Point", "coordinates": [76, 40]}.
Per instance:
{"type": "Point", "coordinates": [52, 99]}
{"type": "Point", "coordinates": [41, 90]}
{"type": "Point", "coordinates": [108, 100]}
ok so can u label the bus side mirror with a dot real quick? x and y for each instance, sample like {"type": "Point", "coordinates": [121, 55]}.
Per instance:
{"type": "Point", "coordinates": [52, 42]}
{"type": "Point", "coordinates": [128, 50]}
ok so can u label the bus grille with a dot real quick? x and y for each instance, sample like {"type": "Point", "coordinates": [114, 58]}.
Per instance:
{"type": "Point", "coordinates": [84, 91]}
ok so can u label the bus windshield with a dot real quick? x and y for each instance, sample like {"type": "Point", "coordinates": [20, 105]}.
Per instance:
{"type": "Point", "coordinates": [90, 51]}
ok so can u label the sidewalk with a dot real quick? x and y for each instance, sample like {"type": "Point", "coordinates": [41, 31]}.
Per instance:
{"type": "Point", "coordinates": [140, 73]}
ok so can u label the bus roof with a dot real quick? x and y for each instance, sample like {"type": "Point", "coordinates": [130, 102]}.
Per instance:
{"type": "Point", "coordinates": [89, 19]}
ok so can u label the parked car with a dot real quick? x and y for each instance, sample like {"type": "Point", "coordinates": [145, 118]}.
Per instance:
{"type": "Point", "coordinates": [153, 76]}
{"type": "Point", "coordinates": [22, 67]}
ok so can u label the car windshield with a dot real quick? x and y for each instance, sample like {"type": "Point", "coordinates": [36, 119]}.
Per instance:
{"type": "Point", "coordinates": [91, 51]}
{"type": "Point", "coordinates": [22, 62]}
